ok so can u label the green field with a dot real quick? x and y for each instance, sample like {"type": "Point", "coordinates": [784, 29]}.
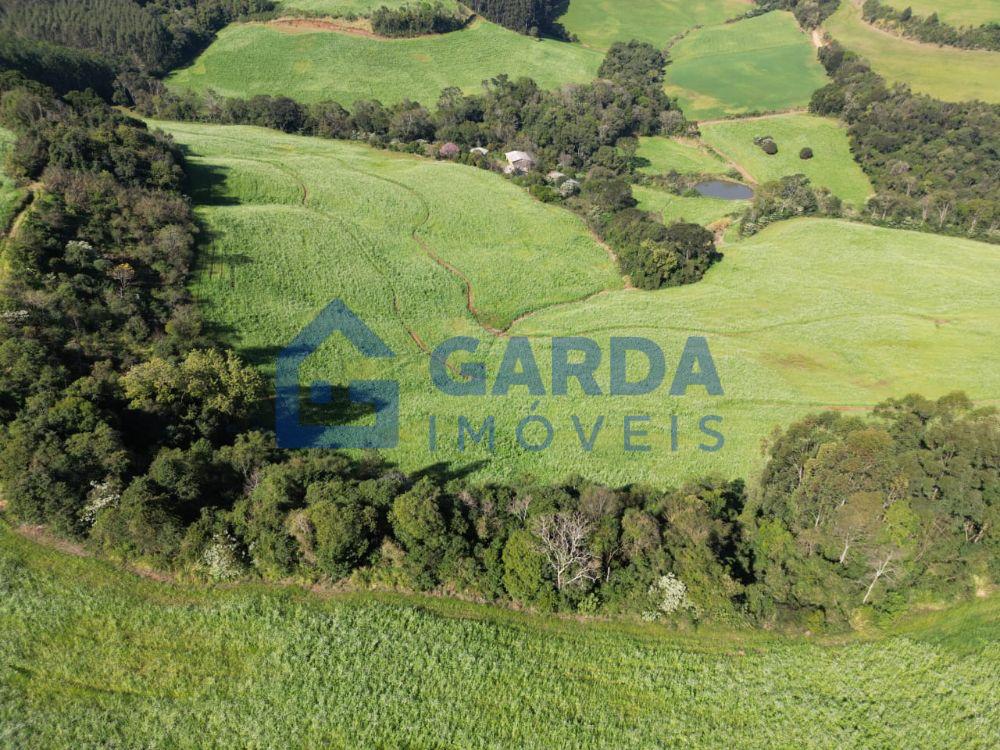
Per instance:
{"type": "Point", "coordinates": [953, 12]}
{"type": "Point", "coordinates": [670, 207]}
{"type": "Point", "coordinates": [808, 314]}
{"type": "Point", "coordinates": [11, 196]}
{"type": "Point", "coordinates": [757, 65]}
{"type": "Point", "coordinates": [249, 59]}
{"type": "Point", "coordinates": [832, 165]}
{"type": "Point", "coordinates": [601, 23]}
{"type": "Point", "coordinates": [946, 73]}
{"type": "Point", "coordinates": [665, 155]}
{"type": "Point", "coordinates": [91, 656]}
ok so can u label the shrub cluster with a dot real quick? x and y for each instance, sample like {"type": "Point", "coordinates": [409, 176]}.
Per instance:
{"type": "Point", "coordinates": [787, 198]}
{"type": "Point", "coordinates": [809, 13]}
{"type": "Point", "coordinates": [766, 144]}
{"type": "Point", "coordinates": [415, 20]}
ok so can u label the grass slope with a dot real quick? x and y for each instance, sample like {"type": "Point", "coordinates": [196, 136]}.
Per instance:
{"type": "Point", "coordinates": [669, 154]}
{"type": "Point", "coordinates": [11, 196]}
{"type": "Point", "coordinates": [946, 73]}
{"type": "Point", "coordinates": [808, 314]}
{"type": "Point", "coordinates": [601, 23]}
{"type": "Point", "coordinates": [249, 59]}
{"type": "Point", "coordinates": [832, 165]}
{"type": "Point", "coordinates": [953, 12]}
{"type": "Point", "coordinates": [756, 65]}
{"type": "Point", "coordinates": [91, 656]}
{"type": "Point", "coordinates": [670, 207]}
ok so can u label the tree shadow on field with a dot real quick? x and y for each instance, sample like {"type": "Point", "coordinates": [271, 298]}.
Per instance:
{"type": "Point", "coordinates": [206, 183]}
{"type": "Point", "coordinates": [443, 472]}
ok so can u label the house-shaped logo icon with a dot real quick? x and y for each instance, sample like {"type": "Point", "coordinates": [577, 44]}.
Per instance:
{"type": "Point", "coordinates": [292, 430]}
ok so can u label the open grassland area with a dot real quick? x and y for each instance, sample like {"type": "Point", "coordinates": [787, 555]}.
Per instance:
{"type": "Point", "coordinates": [249, 59]}
{"type": "Point", "coordinates": [807, 315]}
{"type": "Point", "coordinates": [701, 210]}
{"type": "Point", "coordinates": [832, 165]}
{"type": "Point", "coordinates": [11, 196]}
{"type": "Point", "coordinates": [93, 656]}
{"type": "Point", "coordinates": [339, 8]}
{"type": "Point", "coordinates": [661, 155]}
{"type": "Point", "coordinates": [757, 65]}
{"type": "Point", "coordinates": [953, 12]}
{"type": "Point", "coordinates": [601, 23]}
{"type": "Point", "coordinates": [946, 73]}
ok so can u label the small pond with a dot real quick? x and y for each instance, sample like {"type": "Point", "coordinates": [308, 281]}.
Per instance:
{"type": "Point", "coordinates": [729, 191]}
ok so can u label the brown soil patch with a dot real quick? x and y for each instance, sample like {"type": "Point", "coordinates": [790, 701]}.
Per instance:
{"type": "Point", "coordinates": [43, 536]}
{"type": "Point", "coordinates": [360, 27]}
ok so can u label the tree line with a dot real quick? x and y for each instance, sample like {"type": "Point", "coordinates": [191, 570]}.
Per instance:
{"type": "Point", "coordinates": [931, 29]}
{"type": "Point", "coordinates": [933, 164]}
{"type": "Point", "coordinates": [524, 16]}
{"type": "Point", "coordinates": [416, 20]}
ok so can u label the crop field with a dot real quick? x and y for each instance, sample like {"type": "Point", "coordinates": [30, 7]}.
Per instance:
{"type": "Point", "coordinates": [664, 155]}
{"type": "Point", "coordinates": [832, 165]}
{"type": "Point", "coordinates": [759, 64]}
{"type": "Point", "coordinates": [809, 314]}
{"type": "Point", "coordinates": [93, 656]}
{"type": "Point", "coordinates": [249, 59]}
{"type": "Point", "coordinates": [946, 73]}
{"type": "Point", "coordinates": [953, 12]}
{"type": "Point", "coordinates": [701, 210]}
{"type": "Point", "coordinates": [601, 23]}
{"type": "Point", "coordinates": [10, 195]}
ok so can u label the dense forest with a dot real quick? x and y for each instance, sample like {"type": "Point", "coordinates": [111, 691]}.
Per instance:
{"type": "Point", "coordinates": [931, 29]}
{"type": "Point", "coordinates": [933, 163]}
{"type": "Point", "coordinates": [526, 16]}
{"type": "Point", "coordinates": [153, 36]}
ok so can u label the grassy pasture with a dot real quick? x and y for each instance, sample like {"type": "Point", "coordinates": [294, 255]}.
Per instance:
{"type": "Point", "coordinates": [93, 656]}
{"type": "Point", "coordinates": [832, 165]}
{"type": "Point", "coordinates": [807, 315]}
{"type": "Point", "coordinates": [249, 59]}
{"type": "Point", "coordinates": [601, 23]}
{"type": "Point", "coordinates": [953, 12]}
{"type": "Point", "coordinates": [701, 210]}
{"type": "Point", "coordinates": [946, 73]}
{"type": "Point", "coordinates": [669, 154]}
{"type": "Point", "coordinates": [11, 196]}
{"type": "Point", "coordinates": [756, 65]}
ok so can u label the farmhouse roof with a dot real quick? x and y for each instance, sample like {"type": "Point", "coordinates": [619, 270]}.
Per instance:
{"type": "Point", "coordinates": [516, 157]}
